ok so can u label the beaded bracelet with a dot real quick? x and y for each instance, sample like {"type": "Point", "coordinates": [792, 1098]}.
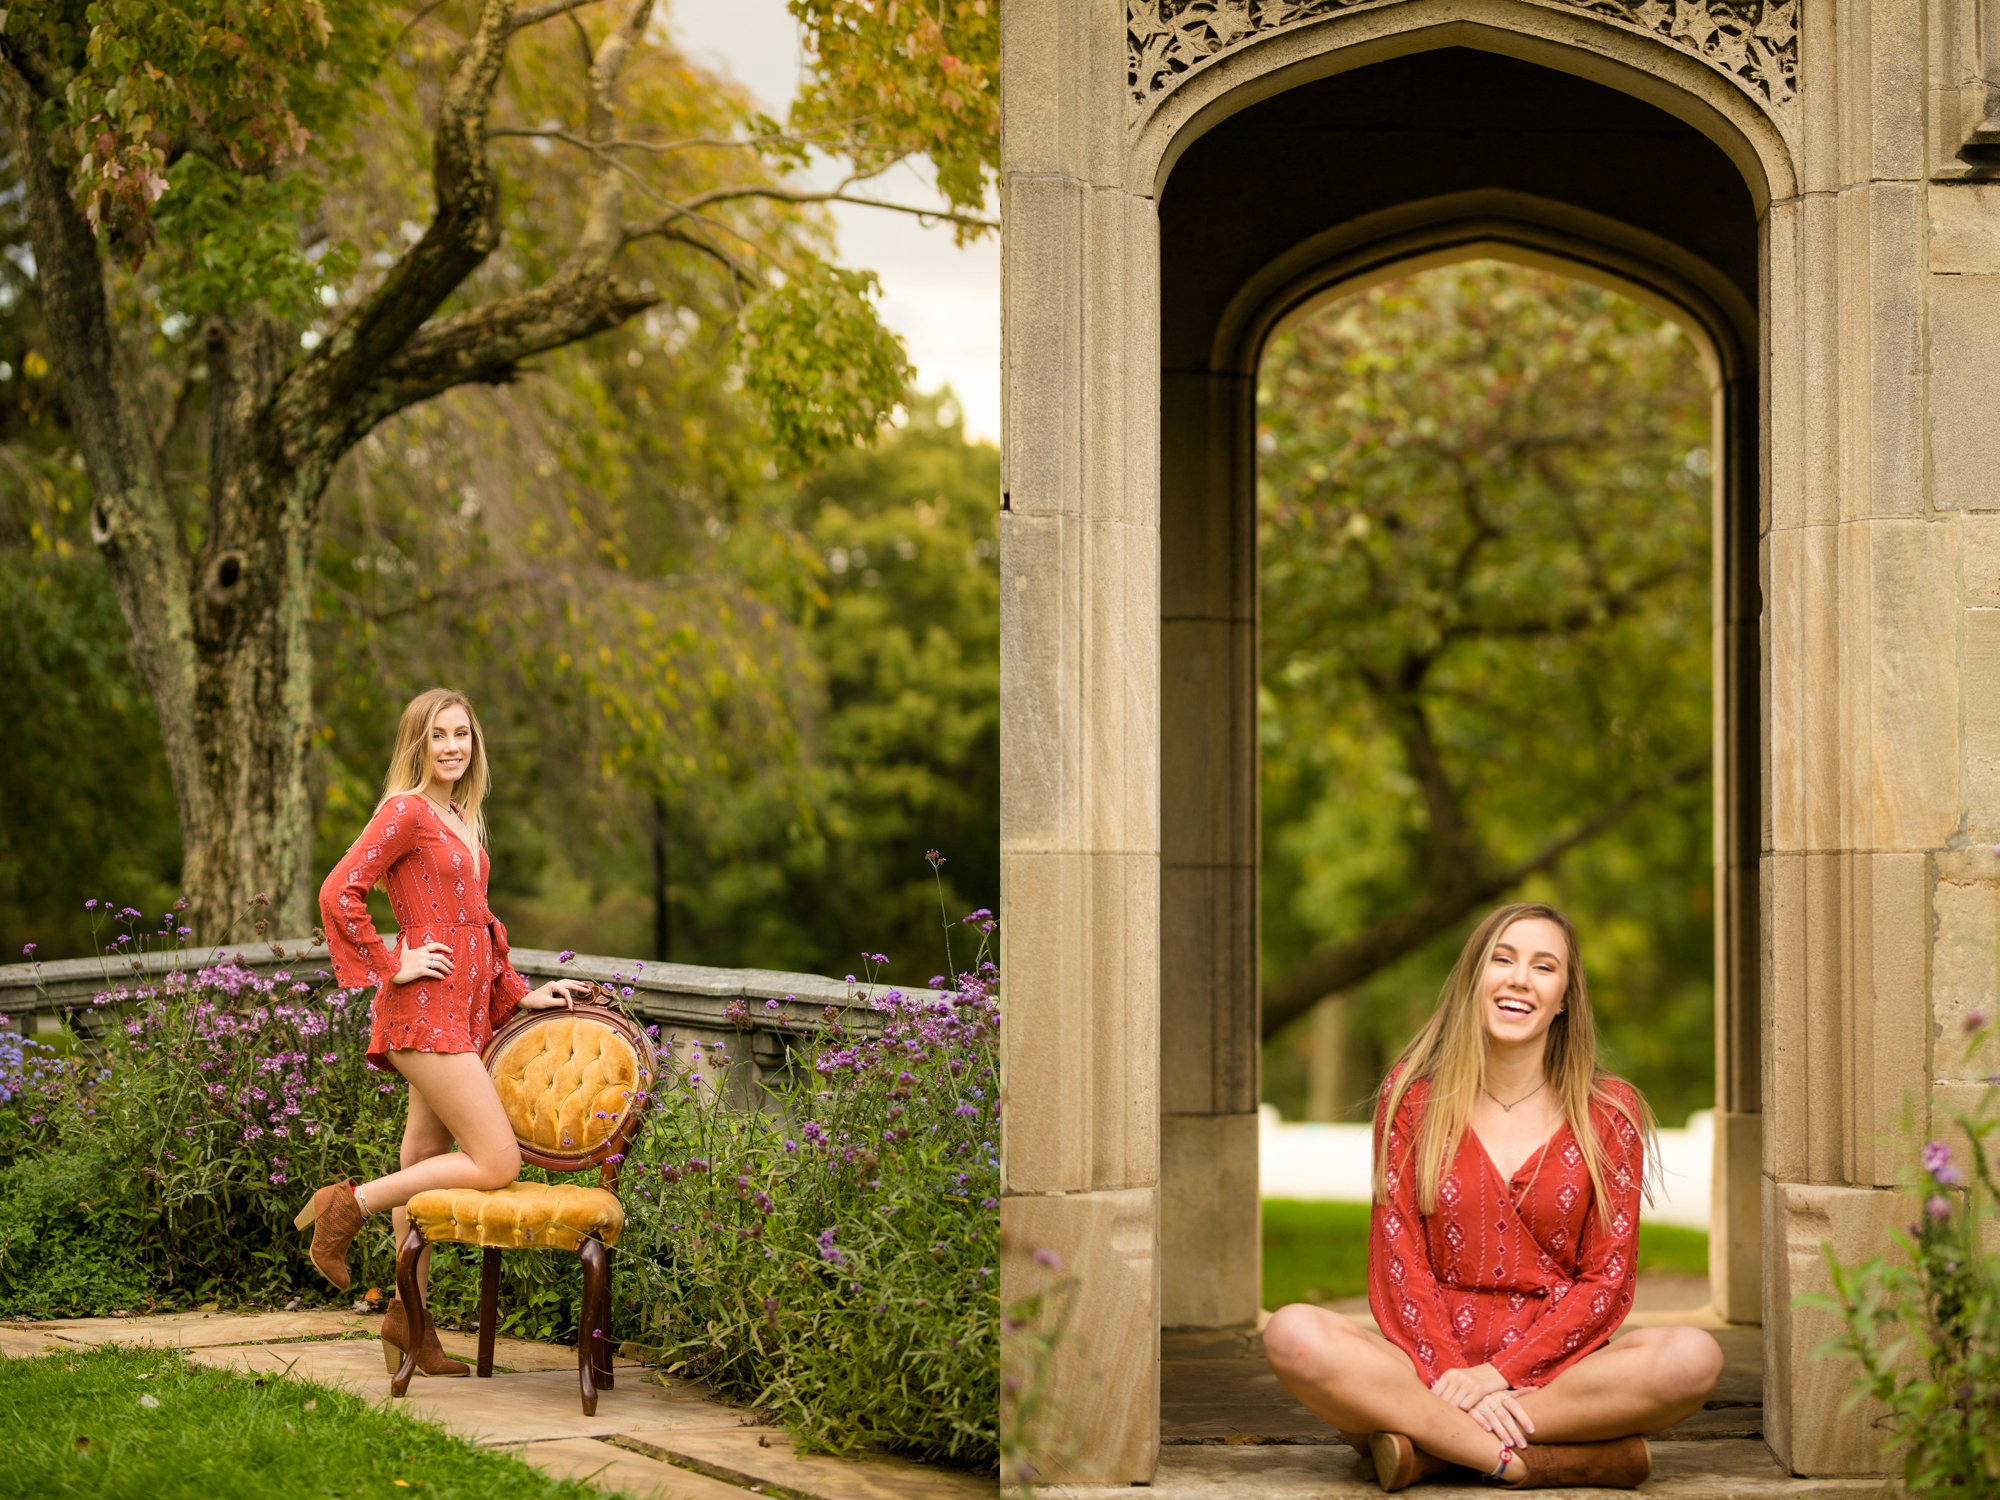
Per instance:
{"type": "Point", "coordinates": [1499, 1474]}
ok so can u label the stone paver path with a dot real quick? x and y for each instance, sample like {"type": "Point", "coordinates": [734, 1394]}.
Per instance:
{"type": "Point", "coordinates": [648, 1439]}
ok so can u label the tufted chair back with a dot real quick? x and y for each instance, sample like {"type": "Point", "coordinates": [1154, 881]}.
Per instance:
{"type": "Point", "coordinates": [575, 1085]}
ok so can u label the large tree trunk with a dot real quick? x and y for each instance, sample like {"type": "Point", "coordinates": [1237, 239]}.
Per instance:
{"type": "Point", "coordinates": [220, 639]}
{"type": "Point", "coordinates": [252, 599]}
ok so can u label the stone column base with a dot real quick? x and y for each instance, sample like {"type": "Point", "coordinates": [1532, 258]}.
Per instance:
{"type": "Point", "coordinates": [1103, 1408]}
{"type": "Point", "coordinates": [1211, 1221]}
{"type": "Point", "coordinates": [1803, 1397]}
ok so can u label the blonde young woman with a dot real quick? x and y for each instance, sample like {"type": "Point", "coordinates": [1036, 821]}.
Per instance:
{"type": "Point", "coordinates": [1508, 1175]}
{"type": "Point", "coordinates": [441, 992]}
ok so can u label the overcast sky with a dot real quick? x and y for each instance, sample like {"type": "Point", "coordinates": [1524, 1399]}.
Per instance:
{"type": "Point", "coordinates": [944, 301]}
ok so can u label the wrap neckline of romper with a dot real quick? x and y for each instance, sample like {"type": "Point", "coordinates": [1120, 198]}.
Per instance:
{"type": "Point", "coordinates": [1533, 1158]}
{"type": "Point", "coordinates": [452, 833]}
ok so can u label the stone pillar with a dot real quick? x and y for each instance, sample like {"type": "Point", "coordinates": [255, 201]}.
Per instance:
{"type": "Point", "coordinates": [1080, 732]}
{"type": "Point", "coordinates": [1210, 1225]}
{"type": "Point", "coordinates": [1860, 592]}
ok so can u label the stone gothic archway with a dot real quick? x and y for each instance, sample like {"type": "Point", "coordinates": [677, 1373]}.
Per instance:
{"type": "Point", "coordinates": [1177, 176]}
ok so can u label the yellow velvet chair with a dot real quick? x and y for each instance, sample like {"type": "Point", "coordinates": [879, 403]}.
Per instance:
{"type": "Point", "coordinates": [576, 1085]}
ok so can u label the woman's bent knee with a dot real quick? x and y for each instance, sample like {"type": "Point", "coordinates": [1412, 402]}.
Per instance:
{"type": "Point", "coordinates": [1296, 1338]}
{"type": "Point", "coordinates": [1690, 1363]}
{"type": "Point", "coordinates": [499, 1171]}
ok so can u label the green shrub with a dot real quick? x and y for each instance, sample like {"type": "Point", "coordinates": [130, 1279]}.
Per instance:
{"type": "Point", "coordinates": [1924, 1324]}
{"type": "Point", "coordinates": [835, 1259]}
{"type": "Point", "coordinates": [193, 1133]}
{"type": "Point", "coordinates": [70, 1232]}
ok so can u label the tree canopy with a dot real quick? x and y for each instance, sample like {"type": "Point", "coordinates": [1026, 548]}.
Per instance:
{"type": "Point", "coordinates": [257, 233]}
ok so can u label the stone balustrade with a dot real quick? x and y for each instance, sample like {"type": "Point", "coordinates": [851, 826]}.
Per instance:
{"type": "Point", "coordinates": [688, 1002]}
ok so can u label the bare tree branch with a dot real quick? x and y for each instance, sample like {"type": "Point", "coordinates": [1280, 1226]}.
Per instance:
{"type": "Point", "coordinates": [1343, 965]}
{"type": "Point", "coordinates": [666, 148]}
{"type": "Point", "coordinates": [536, 14]}
{"type": "Point", "coordinates": [464, 230]}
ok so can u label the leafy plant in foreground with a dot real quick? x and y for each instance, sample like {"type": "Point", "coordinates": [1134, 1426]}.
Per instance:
{"type": "Point", "coordinates": [1925, 1330]}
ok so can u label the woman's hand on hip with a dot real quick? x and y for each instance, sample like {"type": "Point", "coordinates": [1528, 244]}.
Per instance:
{"type": "Point", "coordinates": [556, 992]}
{"type": "Point", "coordinates": [1465, 1389]}
{"type": "Point", "coordinates": [425, 961]}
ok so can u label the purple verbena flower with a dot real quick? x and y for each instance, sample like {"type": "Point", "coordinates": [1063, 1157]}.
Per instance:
{"type": "Point", "coordinates": [1937, 1162]}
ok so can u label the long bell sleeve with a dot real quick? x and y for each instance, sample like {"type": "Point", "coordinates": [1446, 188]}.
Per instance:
{"type": "Point", "coordinates": [360, 956]}
{"type": "Point", "coordinates": [1581, 1314]}
{"type": "Point", "coordinates": [1403, 1288]}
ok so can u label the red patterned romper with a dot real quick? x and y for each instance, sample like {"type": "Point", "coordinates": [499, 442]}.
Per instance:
{"type": "Point", "coordinates": [438, 892]}
{"type": "Point", "coordinates": [1521, 1274]}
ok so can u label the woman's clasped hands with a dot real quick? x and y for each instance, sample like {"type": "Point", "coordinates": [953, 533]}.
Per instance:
{"type": "Point", "coordinates": [1482, 1393]}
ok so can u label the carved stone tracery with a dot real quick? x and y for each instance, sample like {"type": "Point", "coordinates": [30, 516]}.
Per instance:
{"type": "Point", "coordinates": [1756, 42]}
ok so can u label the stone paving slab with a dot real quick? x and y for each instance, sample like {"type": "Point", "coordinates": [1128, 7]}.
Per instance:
{"type": "Point", "coordinates": [17, 1345]}
{"type": "Point", "coordinates": [766, 1455]}
{"type": "Point", "coordinates": [607, 1467]}
{"type": "Point", "coordinates": [194, 1330]}
{"type": "Point", "coordinates": [203, 1330]}
{"type": "Point", "coordinates": [526, 1407]}
{"type": "Point", "coordinates": [1721, 1470]}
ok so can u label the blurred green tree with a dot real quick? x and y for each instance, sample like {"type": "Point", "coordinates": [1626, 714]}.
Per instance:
{"type": "Point", "coordinates": [777, 812]}
{"type": "Point", "coordinates": [257, 234]}
{"type": "Point", "coordinates": [1485, 512]}
{"type": "Point", "coordinates": [904, 734]}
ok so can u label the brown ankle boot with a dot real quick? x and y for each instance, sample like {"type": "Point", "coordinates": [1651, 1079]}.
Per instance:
{"type": "Point", "coordinates": [1400, 1463]}
{"type": "Point", "coordinates": [1620, 1464]}
{"type": "Point", "coordinates": [396, 1338]}
{"type": "Point", "coordinates": [335, 1220]}
{"type": "Point", "coordinates": [1364, 1460]}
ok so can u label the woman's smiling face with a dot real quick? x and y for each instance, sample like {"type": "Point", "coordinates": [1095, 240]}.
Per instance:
{"type": "Point", "coordinates": [451, 744]}
{"type": "Point", "coordinates": [1525, 980]}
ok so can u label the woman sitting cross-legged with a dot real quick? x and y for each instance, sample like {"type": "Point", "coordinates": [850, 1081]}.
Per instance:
{"type": "Point", "coordinates": [1508, 1173]}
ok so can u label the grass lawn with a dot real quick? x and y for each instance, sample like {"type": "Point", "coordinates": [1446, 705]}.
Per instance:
{"type": "Point", "coordinates": [1318, 1252]}
{"type": "Point", "coordinates": [77, 1425]}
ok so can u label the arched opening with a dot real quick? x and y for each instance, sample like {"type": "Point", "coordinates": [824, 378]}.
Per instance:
{"type": "Point", "coordinates": [1420, 158]}
{"type": "Point", "coordinates": [1486, 508]}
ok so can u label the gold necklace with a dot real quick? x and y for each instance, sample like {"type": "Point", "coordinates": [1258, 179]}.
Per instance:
{"type": "Point", "coordinates": [1508, 1109]}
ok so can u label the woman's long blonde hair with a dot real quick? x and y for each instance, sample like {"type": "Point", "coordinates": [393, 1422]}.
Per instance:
{"type": "Point", "coordinates": [1450, 1052]}
{"type": "Point", "coordinates": [409, 766]}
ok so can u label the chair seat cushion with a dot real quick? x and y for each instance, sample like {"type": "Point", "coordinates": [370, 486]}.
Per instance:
{"type": "Point", "coordinates": [522, 1215]}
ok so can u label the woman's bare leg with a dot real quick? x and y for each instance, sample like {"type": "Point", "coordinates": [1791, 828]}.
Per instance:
{"type": "Point", "coordinates": [453, 1090]}
{"type": "Point", "coordinates": [424, 1136]}
{"type": "Point", "coordinates": [1646, 1380]}
{"type": "Point", "coordinates": [1359, 1382]}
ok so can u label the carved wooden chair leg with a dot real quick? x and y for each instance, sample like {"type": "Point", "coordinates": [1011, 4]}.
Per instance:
{"type": "Point", "coordinates": [606, 1347]}
{"type": "Point", "coordinates": [592, 1255]}
{"type": "Point", "coordinates": [410, 1288]}
{"type": "Point", "coordinates": [489, 1308]}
